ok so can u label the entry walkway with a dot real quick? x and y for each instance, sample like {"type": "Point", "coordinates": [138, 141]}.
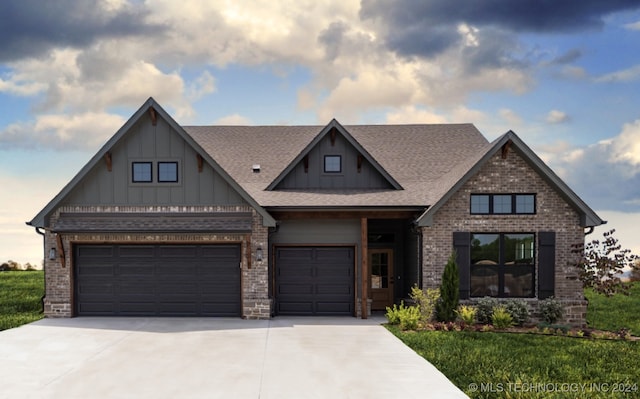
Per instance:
{"type": "Point", "coordinates": [286, 357]}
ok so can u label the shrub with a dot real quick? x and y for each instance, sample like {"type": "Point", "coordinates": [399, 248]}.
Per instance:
{"type": "Point", "coordinates": [426, 301]}
{"type": "Point", "coordinates": [467, 314]}
{"type": "Point", "coordinates": [550, 309]}
{"type": "Point", "coordinates": [449, 291]}
{"type": "Point", "coordinates": [519, 311]}
{"type": "Point", "coordinates": [407, 317]}
{"type": "Point", "coordinates": [484, 309]}
{"type": "Point", "coordinates": [501, 318]}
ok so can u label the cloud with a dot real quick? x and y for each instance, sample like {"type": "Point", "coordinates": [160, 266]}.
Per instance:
{"type": "Point", "coordinates": [30, 28]}
{"type": "Point", "coordinates": [419, 27]}
{"type": "Point", "coordinates": [606, 174]}
{"type": "Point", "coordinates": [623, 76]}
{"type": "Point", "coordinates": [62, 132]}
{"type": "Point", "coordinates": [510, 116]}
{"type": "Point", "coordinates": [554, 117]}
{"type": "Point", "coordinates": [568, 57]}
{"type": "Point", "coordinates": [633, 26]}
{"type": "Point", "coordinates": [235, 119]}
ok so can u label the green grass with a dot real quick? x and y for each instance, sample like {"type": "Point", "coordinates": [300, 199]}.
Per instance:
{"type": "Point", "coordinates": [504, 365]}
{"type": "Point", "coordinates": [499, 359]}
{"type": "Point", "coordinates": [20, 294]}
{"type": "Point", "coordinates": [614, 313]}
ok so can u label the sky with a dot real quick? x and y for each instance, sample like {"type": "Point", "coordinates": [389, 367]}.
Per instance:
{"type": "Point", "coordinates": [563, 74]}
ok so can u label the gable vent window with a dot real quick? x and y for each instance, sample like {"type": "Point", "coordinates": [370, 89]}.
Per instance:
{"type": "Point", "coordinates": [141, 172]}
{"type": "Point", "coordinates": [167, 172]}
{"type": "Point", "coordinates": [503, 204]}
{"type": "Point", "coordinates": [332, 164]}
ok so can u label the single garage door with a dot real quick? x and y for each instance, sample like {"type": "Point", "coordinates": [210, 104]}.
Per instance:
{"type": "Point", "coordinates": [314, 281]}
{"type": "Point", "coordinates": [157, 280]}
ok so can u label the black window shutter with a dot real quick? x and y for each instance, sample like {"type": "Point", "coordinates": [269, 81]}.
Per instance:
{"type": "Point", "coordinates": [462, 246]}
{"type": "Point", "coordinates": [546, 263]}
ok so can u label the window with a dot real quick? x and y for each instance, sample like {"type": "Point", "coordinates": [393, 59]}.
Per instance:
{"type": "Point", "coordinates": [167, 172]}
{"type": "Point", "coordinates": [141, 172]}
{"type": "Point", "coordinates": [332, 164]}
{"type": "Point", "coordinates": [502, 265]}
{"type": "Point", "coordinates": [503, 204]}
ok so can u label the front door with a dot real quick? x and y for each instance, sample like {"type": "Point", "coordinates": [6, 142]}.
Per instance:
{"type": "Point", "coordinates": [381, 278]}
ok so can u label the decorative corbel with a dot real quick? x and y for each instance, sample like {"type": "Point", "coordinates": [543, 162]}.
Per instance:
{"type": "Point", "coordinates": [305, 162]}
{"type": "Point", "coordinates": [107, 159]}
{"type": "Point", "coordinates": [200, 163]}
{"type": "Point", "coordinates": [153, 115]}
{"type": "Point", "coordinates": [505, 149]}
{"type": "Point", "coordinates": [60, 249]}
{"type": "Point", "coordinates": [360, 159]}
{"type": "Point", "coordinates": [332, 135]}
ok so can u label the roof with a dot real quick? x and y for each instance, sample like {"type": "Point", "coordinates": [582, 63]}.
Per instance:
{"type": "Point", "coordinates": [420, 158]}
{"type": "Point", "coordinates": [424, 164]}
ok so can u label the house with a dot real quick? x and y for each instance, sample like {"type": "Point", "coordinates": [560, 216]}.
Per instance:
{"type": "Point", "coordinates": [257, 221]}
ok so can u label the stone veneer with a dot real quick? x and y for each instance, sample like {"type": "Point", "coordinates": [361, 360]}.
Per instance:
{"type": "Point", "coordinates": [58, 301]}
{"type": "Point", "coordinates": [510, 175]}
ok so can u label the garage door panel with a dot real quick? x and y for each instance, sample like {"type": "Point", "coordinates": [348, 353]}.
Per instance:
{"type": "Point", "coordinates": [178, 251]}
{"type": "Point", "coordinates": [333, 308]}
{"type": "Point", "coordinates": [314, 280]}
{"type": "Point", "coordinates": [95, 251]}
{"type": "Point", "coordinates": [136, 251]}
{"type": "Point", "coordinates": [160, 280]}
{"type": "Point", "coordinates": [335, 289]}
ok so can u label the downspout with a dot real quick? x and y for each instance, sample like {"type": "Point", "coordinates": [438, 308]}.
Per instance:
{"type": "Point", "coordinates": [44, 261]}
{"type": "Point", "coordinates": [591, 228]}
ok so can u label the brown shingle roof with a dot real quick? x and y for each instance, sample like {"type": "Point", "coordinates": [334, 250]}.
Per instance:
{"type": "Point", "coordinates": [425, 159]}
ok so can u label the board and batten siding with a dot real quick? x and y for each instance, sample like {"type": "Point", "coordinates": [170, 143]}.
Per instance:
{"type": "Point", "coordinates": [148, 143]}
{"type": "Point", "coordinates": [367, 178]}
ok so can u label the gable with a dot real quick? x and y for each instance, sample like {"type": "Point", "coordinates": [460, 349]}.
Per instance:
{"type": "Point", "coordinates": [154, 147]}
{"type": "Point", "coordinates": [334, 160]}
{"type": "Point", "coordinates": [151, 137]}
{"type": "Point", "coordinates": [508, 177]}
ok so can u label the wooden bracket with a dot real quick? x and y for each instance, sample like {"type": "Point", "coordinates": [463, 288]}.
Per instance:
{"type": "Point", "coordinates": [153, 115]}
{"type": "Point", "coordinates": [505, 149]}
{"type": "Point", "coordinates": [200, 163]}
{"type": "Point", "coordinates": [248, 249]}
{"type": "Point", "coordinates": [60, 249]}
{"type": "Point", "coordinates": [332, 135]}
{"type": "Point", "coordinates": [107, 159]}
{"type": "Point", "coordinates": [360, 159]}
{"type": "Point", "coordinates": [305, 162]}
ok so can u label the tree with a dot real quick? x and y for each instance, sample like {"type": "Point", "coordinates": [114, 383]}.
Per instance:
{"type": "Point", "coordinates": [635, 271]}
{"type": "Point", "coordinates": [449, 291]}
{"type": "Point", "coordinates": [601, 264]}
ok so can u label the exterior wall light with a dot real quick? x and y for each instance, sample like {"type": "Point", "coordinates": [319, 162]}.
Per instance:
{"type": "Point", "coordinates": [52, 254]}
{"type": "Point", "coordinates": [259, 254]}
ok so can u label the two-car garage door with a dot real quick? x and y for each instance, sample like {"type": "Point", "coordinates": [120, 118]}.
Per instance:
{"type": "Point", "coordinates": [157, 280]}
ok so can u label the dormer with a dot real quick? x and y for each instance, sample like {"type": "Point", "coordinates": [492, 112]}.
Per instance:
{"type": "Point", "coordinates": [334, 160]}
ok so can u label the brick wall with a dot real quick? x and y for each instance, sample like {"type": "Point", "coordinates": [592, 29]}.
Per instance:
{"type": "Point", "coordinates": [510, 175]}
{"type": "Point", "coordinates": [59, 301]}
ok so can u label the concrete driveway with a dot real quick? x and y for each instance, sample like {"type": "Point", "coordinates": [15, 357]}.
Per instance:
{"type": "Point", "coordinates": [313, 357]}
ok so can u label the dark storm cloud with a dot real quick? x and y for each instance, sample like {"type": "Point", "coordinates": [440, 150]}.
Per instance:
{"type": "Point", "coordinates": [419, 27]}
{"type": "Point", "coordinates": [32, 27]}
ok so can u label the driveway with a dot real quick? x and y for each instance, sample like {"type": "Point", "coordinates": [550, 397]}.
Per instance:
{"type": "Point", "coordinates": [313, 357]}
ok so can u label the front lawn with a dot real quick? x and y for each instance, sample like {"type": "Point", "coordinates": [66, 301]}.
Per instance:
{"type": "Point", "coordinates": [20, 294]}
{"type": "Point", "coordinates": [614, 313]}
{"type": "Point", "coordinates": [510, 365]}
